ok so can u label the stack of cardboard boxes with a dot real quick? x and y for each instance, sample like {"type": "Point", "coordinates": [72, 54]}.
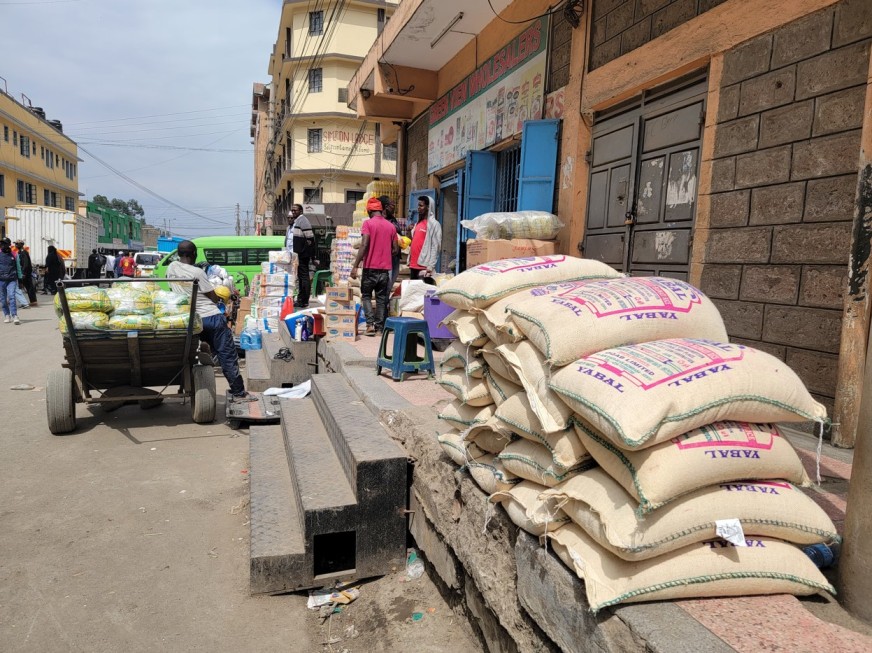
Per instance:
{"type": "Point", "coordinates": [244, 312]}
{"type": "Point", "coordinates": [340, 322]}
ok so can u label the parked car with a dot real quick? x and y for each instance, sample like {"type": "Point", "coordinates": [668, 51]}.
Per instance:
{"type": "Point", "coordinates": [146, 263]}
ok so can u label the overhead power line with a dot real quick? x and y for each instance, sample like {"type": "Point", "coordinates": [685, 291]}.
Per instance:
{"type": "Point", "coordinates": [155, 115]}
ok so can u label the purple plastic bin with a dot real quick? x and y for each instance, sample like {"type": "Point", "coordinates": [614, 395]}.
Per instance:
{"type": "Point", "coordinates": [435, 310]}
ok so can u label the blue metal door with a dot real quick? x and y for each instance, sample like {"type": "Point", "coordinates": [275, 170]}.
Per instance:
{"type": "Point", "coordinates": [538, 165]}
{"type": "Point", "coordinates": [479, 188]}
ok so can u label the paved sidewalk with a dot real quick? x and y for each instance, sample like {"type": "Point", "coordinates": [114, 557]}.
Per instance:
{"type": "Point", "coordinates": [777, 624]}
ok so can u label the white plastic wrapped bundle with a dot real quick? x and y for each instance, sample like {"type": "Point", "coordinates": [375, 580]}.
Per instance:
{"type": "Point", "coordinates": [517, 224]}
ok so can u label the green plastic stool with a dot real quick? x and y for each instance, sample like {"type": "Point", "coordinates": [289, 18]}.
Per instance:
{"type": "Point", "coordinates": [326, 276]}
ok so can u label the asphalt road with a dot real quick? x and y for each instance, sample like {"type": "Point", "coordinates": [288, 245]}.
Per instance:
{"type": "Point", "coordinates": [131, 534]}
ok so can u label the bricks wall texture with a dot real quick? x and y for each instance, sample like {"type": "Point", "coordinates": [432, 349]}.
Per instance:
{"type": "Point", "coordinates": [784, 174]}
{"type": "Point", "coordinates": [560, 45]}
{"type": "Point", "coordinates": [620, 26]}
{"type": "Point", "coordinates": [417, 152]}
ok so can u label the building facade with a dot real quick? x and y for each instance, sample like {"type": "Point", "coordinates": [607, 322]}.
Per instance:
{"type": "Point", "coordinates": [721, 141]}
{"type": "Point", "coordinates": [260, 134]}
{"type": "Point", "coordinates": [119, 232]}
{"type": "Point", "coordinates": [39, 165]}
{"type": "Point", "coordinates": [318, 151]}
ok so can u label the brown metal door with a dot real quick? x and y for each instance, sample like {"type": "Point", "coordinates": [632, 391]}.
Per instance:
{"type": "Point", "coordinates": [643, 183]}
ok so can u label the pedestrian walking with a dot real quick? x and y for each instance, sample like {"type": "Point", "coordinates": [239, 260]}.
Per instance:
{"type": "Point", "coordinates": [377, 248]}
{"type": "Point", "coordinates": [388, 208]}
{"type": "Point", "coordinates": [95, 264]}
{"type": "Point", "coordinates": [426, 241]}
{"type": "Point", "coordinates": [126, 265]}
{"type": "Point", "coordinates": [26, 264]}
{"type": "Point", "coordinates": [10, 272]}
{"type": "Point", "coordinates": [300, 239]}
{"type": "Point", "coordinates": [55, 270]}
{"type": "Point", "coordinates": [109, 266]}
{"type": "Point", "coordinates": [215, 330]}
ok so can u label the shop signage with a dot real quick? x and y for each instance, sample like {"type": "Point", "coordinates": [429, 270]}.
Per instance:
{"type": "Point", "coordinates": [344, 141]}
{"type": "Point", "coordinates": [555, 103]}
{"type": "Point", "coordinates": [493, 102]}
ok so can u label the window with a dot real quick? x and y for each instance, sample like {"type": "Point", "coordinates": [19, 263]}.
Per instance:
{"type": "Point", "coordinates": [314, 140]}
{"type": "Point", "coordinates": [256, 256]}
{"type": "Point", "coordinates": [54, 199]}
{"type": "Point", "coordinates": [6, 133]}
{"type": "Point", "coordinates": [343, 95]}
{"type": "Point", "coordinates": [389, 152]}
{"type": "Point", "coordinates": [311, 196]}
{"type": "Point", "coordinates": [29, 193]}
{"type": "Point", "coordinates": [287, 42]}
{"type": "Point", "coordinates": [46, 197]}
{"type": "Point", "coordinates": [380, 20]}
{"type": "Point", "coordinates": [352, 196]}
{"type": "Point", "coordinates": [24, 146]}
{"type": "Point", "coordinates": [20, 189]}
{"type": "Point", "coordinates": [224, 257]}
{"type": "Point", "coordinates": [316, 22]}
{"type": "Point", "coordinates": [2, 186]}
{"type": "Point", "coordinates": [68, 204]}
{"type": "Point", "coordinates": [315, 80]}
{"type": "Point", "coordinates": [15, 138]}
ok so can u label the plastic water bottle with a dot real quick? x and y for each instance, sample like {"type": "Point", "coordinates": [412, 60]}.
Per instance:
{"type": "Point", "coordinates": [821, 555]}
{"type": "Point", "coordinates": [250, 339]}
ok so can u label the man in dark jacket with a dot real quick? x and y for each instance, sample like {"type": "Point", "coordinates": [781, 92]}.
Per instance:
{"type": "Point", "coordinates": [9, 275]}
{"type": "Point", "coordinates": [26, 265]}
{"type": "Point", "coordinates": [95, 264]}
{"type": "Point", "coordinates": [301, 240]}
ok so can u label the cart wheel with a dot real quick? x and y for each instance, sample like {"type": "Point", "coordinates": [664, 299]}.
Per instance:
{"type": "Point", "coordinates": [60, 402]}
{"type": "Point", "coordinates": [203, 395]}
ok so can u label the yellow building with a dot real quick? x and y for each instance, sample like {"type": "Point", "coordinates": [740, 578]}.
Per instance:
{"type": "Point", "coordinates": [39, 165]}
{"type": "Point", "coordinates": [260, 135]}
{"type": "Point", "coordinates": [319, 152]}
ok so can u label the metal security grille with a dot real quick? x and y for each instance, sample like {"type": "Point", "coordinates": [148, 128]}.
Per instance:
{"type": "Point", "coordinates": [508, 165]}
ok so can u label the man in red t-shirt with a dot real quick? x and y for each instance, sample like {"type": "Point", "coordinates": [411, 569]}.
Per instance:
{"type": "Point", "coordinates": [127, 266]}
{"type": "Point", "coordinates": [377, 248]}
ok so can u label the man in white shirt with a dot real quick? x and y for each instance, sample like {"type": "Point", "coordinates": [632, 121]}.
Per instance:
{"type": "Point", "coordinates": [215, 330]}
{"type": "Point", "coordinates": [109, 266]}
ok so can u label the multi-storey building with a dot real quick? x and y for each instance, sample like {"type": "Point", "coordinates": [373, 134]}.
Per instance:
{"type": "Point", "coordinates": [319, 152]}
{"type": "Point", "coordinates": [39, 165]}
{"type": "Point", "coordinates": [260, 135]}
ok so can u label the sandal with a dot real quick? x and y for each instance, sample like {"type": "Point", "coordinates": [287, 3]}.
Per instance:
{"type": "Point", "coordinates": [284, 354]}
{"type": "Point", "coordinates": [245, 397]}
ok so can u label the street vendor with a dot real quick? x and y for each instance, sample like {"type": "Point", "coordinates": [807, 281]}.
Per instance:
{"type": "Point", "coordinates": [215, 331]}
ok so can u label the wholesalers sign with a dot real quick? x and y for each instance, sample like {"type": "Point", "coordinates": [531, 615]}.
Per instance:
{"type": "Point", "coordinates": [491, 103]}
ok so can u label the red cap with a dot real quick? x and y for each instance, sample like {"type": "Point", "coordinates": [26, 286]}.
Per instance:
{"type": "Point", "coordinates": [374, 204]}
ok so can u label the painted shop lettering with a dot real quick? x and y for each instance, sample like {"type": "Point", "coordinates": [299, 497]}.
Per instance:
{"type": "Point", "coordinates": [699, 375]}
{"type": "Point", "coordinates": [732, 453]}
{"type": "Point", "coordinates": [652, 315]}
{"type": "Point", "coordinates": [741, 487]}
{"type": "Point", "coordinates": [599, 376]}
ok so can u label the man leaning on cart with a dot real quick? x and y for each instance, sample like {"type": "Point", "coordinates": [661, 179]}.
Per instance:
{"type": "Point", "coordinates": [215, 330]}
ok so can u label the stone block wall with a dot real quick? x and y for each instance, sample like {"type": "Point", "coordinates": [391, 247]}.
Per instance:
{"type": "Point", "coordinates": [620, 26]}
{"type": "Point", "coordinates": [784, 176]}
{"type": "Point", "coordinates": [561, 46]}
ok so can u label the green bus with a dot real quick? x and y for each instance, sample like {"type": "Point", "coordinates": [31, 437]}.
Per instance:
{"type": "Point", "coordinates": [239, 255]}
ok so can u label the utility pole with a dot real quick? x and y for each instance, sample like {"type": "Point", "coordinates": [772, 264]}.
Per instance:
{"type": "Point", "coordinates": [238, 231]}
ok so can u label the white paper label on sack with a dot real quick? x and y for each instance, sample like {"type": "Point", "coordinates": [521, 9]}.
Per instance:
{"type": "Point", "coordinates": [731, 531]}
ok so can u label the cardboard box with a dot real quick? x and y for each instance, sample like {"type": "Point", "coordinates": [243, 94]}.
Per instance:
{"type": "Point", "coordinates": [340, 321]}
{"type": "Point", "coordinates": [341, 334]}
{"type": "Point", "coordinates": [244, 304]}
{"type": "Point", "coordinates": [240, 321]}
{"type": "Point", "coordinates": [338, 293]}
{"type": "Point", "coordinates": [333, 307]}
{"type": "Point", "coordinates": [484, 251]}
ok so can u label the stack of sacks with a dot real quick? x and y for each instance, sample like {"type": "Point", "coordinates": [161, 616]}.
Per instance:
{"type": "Point", "coordinates": [89, 308]}
{"type": "Point", "coordinates": [129, 307]}
{"type": "Point", "coordinates": [680, 422]}
{"type": "Point", "coordinates": [496, 435]}
{"type": "Point", "coordinates": [277, 281]}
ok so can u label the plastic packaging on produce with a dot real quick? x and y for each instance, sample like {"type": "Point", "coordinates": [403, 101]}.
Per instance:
{"type": "Point", "coordinates": [85, 321]}
{"type": "Point", "coordinates": [170, 303]}
{"type": "Point", "coordinates": [177, 322]}
{"type": "Point", "coordinates": [130, 299]}
{"type": "Point", "coordinates": [518, 224]}
{"type": "Point", "coordinates": [87, 299]}
{"type": "Point", "coordinates": [131, 322]}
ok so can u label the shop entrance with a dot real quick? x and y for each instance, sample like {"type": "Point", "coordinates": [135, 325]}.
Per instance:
{"type": "Point", "coordinates": [643, 182]}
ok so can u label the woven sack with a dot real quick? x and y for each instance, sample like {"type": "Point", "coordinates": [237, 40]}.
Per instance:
{"type": "Point", "coordinates": [465, 326]}
{"type": "Point", "coordinates": [534, 462]}
{"type": "Point", "coordinates": [516, 416]}
{"type": "Point", "coordinates": [460, 356]}
{"type": "Point", "coordinates": [716, 453]}
{"type": "Point", "coordinates": [481, 286]}
{"type": "Point", "coordinates": [496, 364]}
{"type": "Point", "coordinates": [459, 450]}
{"type": "Point", "coordinates": [529, 509]}
{"type": "Point", "coordinates": [500, 388]}
{"type": "Point", "coordinates": [597, 503]}
{"type": "Point", "coordinates": [461, 416]}
{"type": "Point", "coordinates": [490, 475]}
{"type": "Point", "coordinates": [643, 394]}
{"type": "Point", "coordinates": [592, 315]}
{"type": "Point", "coordinates": [706, 569]}
{"type": "Point", "coordinates": [469, 390]}
{"type": "Point", "coordinates": [489, 440]}
{"type": "Point", "coordinates": [529, 366]}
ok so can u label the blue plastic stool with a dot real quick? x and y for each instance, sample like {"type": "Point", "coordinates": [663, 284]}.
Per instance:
{"type": "Point", "coordinates": [405, 357]}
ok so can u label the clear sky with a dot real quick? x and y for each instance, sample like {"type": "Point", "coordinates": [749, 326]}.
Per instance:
{"type": "Point", "coordinates": [160, 90]}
